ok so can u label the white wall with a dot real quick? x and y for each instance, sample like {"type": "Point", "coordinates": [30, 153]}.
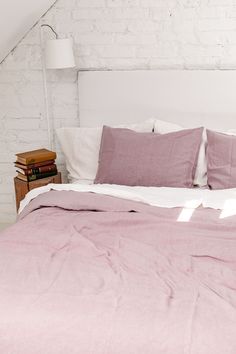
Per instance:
{"type": "Point", "coordinates": [109, 34]}
{"type": "Point", "coordinates": [16, 17]}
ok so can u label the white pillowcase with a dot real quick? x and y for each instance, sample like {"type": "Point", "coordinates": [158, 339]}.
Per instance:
{"type": "Point", "coordinates": [81, 148]}
{"type": "Point", "coordinates": [200, 178]}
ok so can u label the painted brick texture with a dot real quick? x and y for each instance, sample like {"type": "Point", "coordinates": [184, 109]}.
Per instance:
{"type": "Point", "coordinates": [108, 34]}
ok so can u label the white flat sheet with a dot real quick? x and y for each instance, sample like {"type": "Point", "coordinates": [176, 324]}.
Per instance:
{"type": "Point", "coordinates": [156, 196]}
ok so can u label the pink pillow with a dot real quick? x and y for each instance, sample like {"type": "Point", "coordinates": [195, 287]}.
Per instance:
{"type": "Point", "coordinates": [148, 159]}
{"type": "Point", "coordinates": [221, 160]}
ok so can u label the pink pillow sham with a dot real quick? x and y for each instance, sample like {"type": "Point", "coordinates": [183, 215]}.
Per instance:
{"type": "Point", "coordinates": [147, 159]}
{"type": "Point", "coordinates": [221, 160]}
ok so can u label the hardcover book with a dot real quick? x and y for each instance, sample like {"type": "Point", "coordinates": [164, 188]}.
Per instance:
{"type": "Point", "coordinates": [37, 170]}
{"type": "Point", "coordinates": [34, 165]}
{"type": "Point", "coordinates": [35, 177]}
{"type": "Point", "coordinates": [35, 156]}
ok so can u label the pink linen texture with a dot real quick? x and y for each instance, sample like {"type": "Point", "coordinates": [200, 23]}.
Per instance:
{"type": "Point", "coordinates": [221, 160]}
{"type": "Point", "coordinates": [82, 273]}
{"type": "Point", "coordinates": [148, 159]}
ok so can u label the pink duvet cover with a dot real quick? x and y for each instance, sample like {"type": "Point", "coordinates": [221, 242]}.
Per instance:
{"type": "Point", "coordinates": [82, 273]}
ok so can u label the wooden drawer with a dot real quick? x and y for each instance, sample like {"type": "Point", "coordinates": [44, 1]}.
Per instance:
{"type": "Point", "coordinates": [44, 181]}
{"type": "Point", "coordinates": [22, 187]}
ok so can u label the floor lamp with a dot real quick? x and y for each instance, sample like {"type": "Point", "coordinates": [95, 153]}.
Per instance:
{"type": "Point", "coordinates": [56, 54]}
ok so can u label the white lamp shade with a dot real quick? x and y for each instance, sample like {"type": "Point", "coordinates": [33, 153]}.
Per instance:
{"type": "Point", "coordinates": [59, 54]}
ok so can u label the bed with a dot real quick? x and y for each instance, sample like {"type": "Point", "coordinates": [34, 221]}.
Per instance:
{"type": "Point", "coordinates": [118, 269]}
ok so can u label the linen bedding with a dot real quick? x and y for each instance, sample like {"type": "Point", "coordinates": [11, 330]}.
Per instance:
{"type": "Point", "coordinates": [85, 273]}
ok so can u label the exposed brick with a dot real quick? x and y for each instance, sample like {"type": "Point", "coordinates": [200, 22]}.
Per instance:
{"type": "Point", "coordinates": [116, 51]}
{"type": "Point", "coordinates": [146, 26]}
{"type": "Point", "coordinates": [136, 39]}
{"type": "Point", "coordinates": [21, 123]}
{"type": "Point", "coordinates": [90, 3]}
{"type": "Point", "coordinates": [111, 26]}
{"type": "Point", "coordinates": [87, 13]}
{"type": "Point", "coordinates": [215, 24]}
{"type": "Point", "coordinates": [123, 3]}
{"type": "Point", "coordinates": [128, 13]}
{"type": "Point", "coordinates": [94, 38]}
{"type": "Point", "coordinates": [157, 3]}
{"type": "Point", "coordinates": [162, 50]}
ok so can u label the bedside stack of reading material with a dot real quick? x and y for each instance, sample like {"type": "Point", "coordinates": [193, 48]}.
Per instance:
{"type": "Point", "coordinates": [34, 165]}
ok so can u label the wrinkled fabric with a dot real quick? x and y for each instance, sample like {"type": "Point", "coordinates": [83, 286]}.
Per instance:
{"type": "Point", "coordinates": [145, 159]}
{"type": "Point", "coordinates": [221, 160]}
{"type": "Point", "coordinates": [84, 273]}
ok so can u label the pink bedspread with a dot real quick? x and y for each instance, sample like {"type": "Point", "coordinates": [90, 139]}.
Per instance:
{"type": "Point", "coordinates": [82, 273]}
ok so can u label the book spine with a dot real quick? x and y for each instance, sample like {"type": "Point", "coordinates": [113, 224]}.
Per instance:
{"type": "Point", "coordinates": [35, 165]}
{"type": "Point", "coordinates": [38, 170]}
{"type": "Point", "coordinates": [21, 177]}
{"type": "Point", "coordinates": [41, 175]}
{"type": "Point", "coordinates": [35, 160]}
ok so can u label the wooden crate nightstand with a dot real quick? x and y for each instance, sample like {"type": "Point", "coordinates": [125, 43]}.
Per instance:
{"type": "Point", "coordinates": [22, 187]}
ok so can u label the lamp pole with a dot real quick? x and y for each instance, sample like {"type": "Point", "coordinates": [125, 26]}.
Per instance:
{"type": "Point", "coordinates": [45, 86]}
{"type": "Point", "coordinates": [56, 54]}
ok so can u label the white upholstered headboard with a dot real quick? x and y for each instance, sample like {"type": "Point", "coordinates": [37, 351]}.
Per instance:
{"type": "Point", "coordinates": [191, 98]}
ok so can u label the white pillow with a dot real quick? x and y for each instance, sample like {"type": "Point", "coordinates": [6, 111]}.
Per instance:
{"type": "Point", "coordinates": [200, 178]}
{"type": "Point", "coordinates": [81, 148]}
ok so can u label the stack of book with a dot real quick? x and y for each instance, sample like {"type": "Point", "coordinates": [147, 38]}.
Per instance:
{"type": "Point", "coordinates": [33, 165]}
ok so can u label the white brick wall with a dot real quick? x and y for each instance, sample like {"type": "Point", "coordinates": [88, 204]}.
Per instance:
{"type": "Point", "coordinates": [110, 34]}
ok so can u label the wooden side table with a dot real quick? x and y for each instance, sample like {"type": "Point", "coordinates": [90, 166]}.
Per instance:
{"type": "Point", "coordinates": [22, 187]}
